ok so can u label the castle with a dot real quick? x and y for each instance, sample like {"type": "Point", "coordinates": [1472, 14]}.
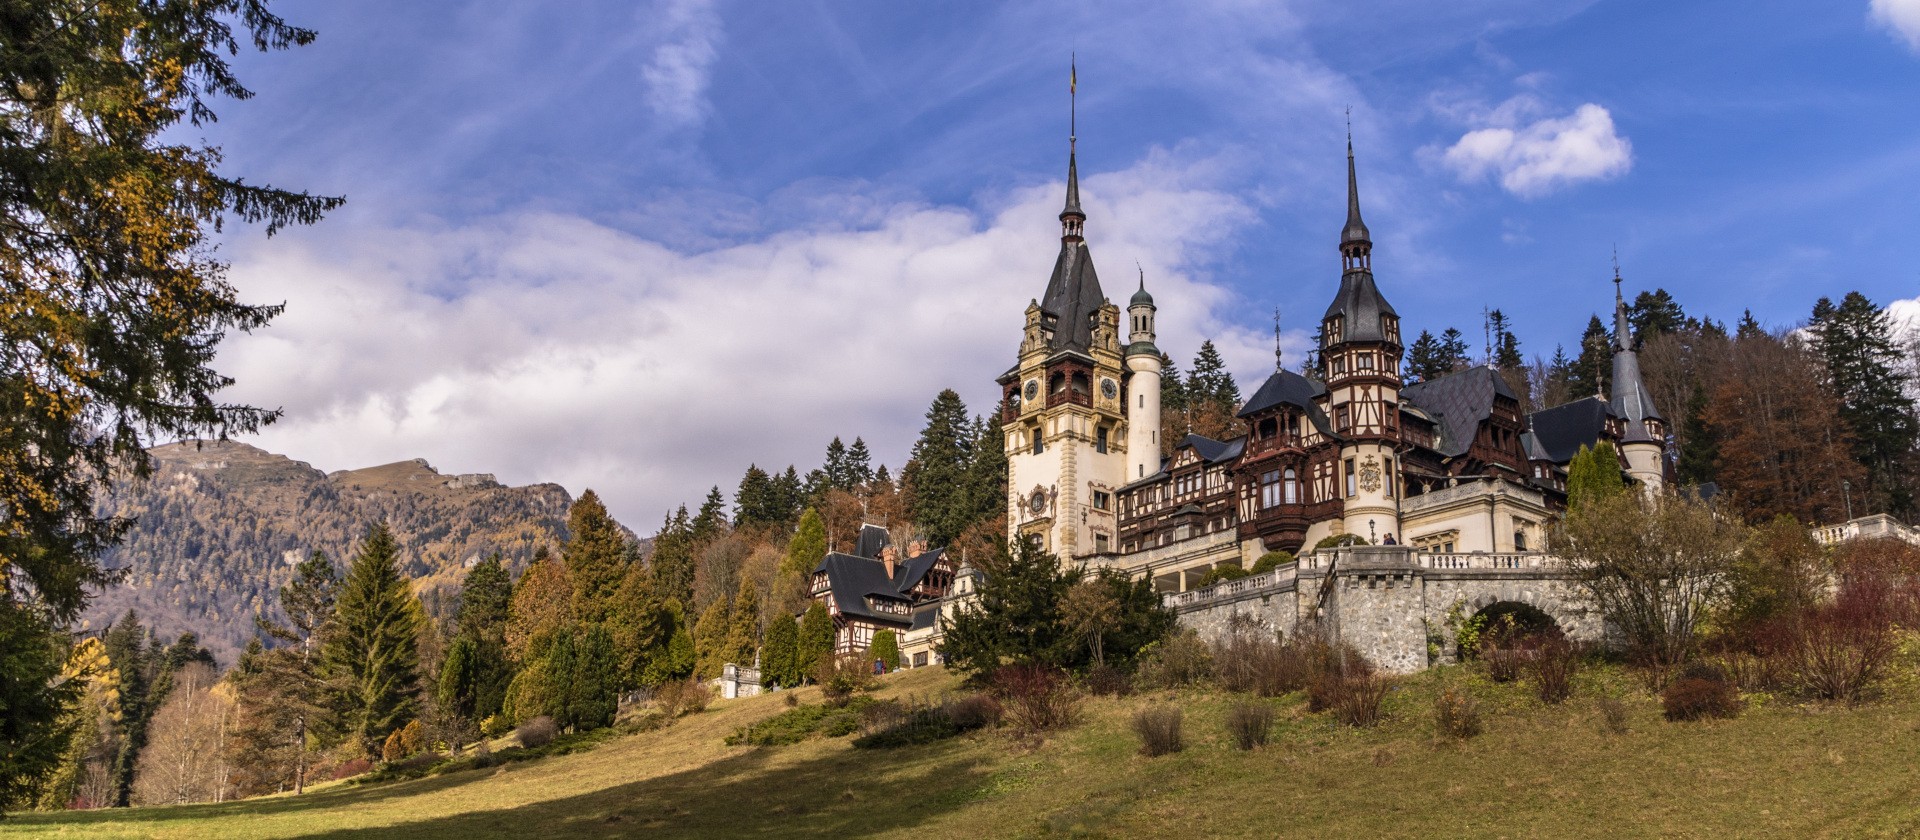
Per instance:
{"type": "Point", "coordinates": [1449, 465]}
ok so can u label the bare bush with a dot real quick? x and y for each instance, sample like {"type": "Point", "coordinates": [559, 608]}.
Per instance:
{"type": "Point", "coordinates": [694, 697]}
{"type": "Point", "coordinates": [840, 677]}
{"type": "Point", "coordinates": [976, 711]}
{"type": "Point", "coordinates": [1180, 659]}
{"type": "Point", "coordinates": [1613, 711]}
{"type": "Point", "coordinates": [538, 732]}
{"type": "Point", "coordinates": [1701, 692]}
{"type": "Point", "coordinates": [1159, 728]}
{"type": "Point", "coordinates": [1038, 698]}
{"type": "Point", "coordinates": [1357, 702]}
{"type": "Point", "coordinates": [1456, 714]}
{"type": "Point", "coordinates": [1248, 723]}
{"type": "Point", "coordinates": [1108, 681]}
{"type": "Point", "coordinates": [1841, 650]}
{"type": "Point", "coordinates": [183, 761]}
{"type": "Point", "coordinates": [1505, 662]}
{"type": "Point", "coordinates": [1249, 661]}
{"type": "Point", "coordinates": [1554, 665]}
{"type": "Point", "coordinates": [1332, 666]}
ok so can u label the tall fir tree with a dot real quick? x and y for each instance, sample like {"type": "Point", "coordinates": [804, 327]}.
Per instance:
{"type": "Point", "coordinates": [1173, 388]}
{"type": "Point", "coordinates": [941, 504]}
{"type": "Point", "coordinates": [1506, 346]}
{"type": "Point", "coordinates": [307, 602]}
{"type": "Point", "coordinates": [743, 632]}
{"type": "Point", "coordinates": [780, 651]}
{"type": "Point", "coordinates": [1210, 381]}
{"type": "Point", "coordinates": [1701, 450]}
{"type": "Point", "coordinates": [711, 521]}
{"type": "Point", "coordinates": [987, 475]}
{"type": "Point", "coordinates": [710, 638]}
{"type": "Point", "coordinates": [754, 501]}
{"type": "Point", "coordinates": [486, 600]}
{"type": "Point", "coordinates": [1748, 327]}
{"type": "Point", "coordinates": [1587, 376]}
{"type": "Point", "coordinates": [788, 498]}
{"type": "Point", "coordinates": [133, 659]}
{"type": "Point", "coordinates": [1864, 369]}
{"type": "Point", "coordinates": [673, 560]}
{"type": "Point", "coordinates": [372, 646]}
{"type": "Point", "coordinates": [595, 554]}
{"type": "Point", "coordinates": [1593, 474]}
{"type": "Point", "coordinates": [1425, 359]}
{"type": "Point", "coordinates": [1656, 312]}
{"type": "Point", "coordinates": [1453, 351]}
{"type": "Point", "coordinates": [859, 464]}
{"type": "Point", "coordinates": [839, 476]}
{"type": "Point", "coordinates": [816, 640]}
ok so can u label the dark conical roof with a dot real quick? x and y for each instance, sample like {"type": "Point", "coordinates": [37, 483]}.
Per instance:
{"type": "Point", "coordinates": [1073, 296]}
{"type": "Point", "coordinates": [1073, 189]}
{"type": "Point", "coordinates": [1356, 230]}
{"type": "Point", "coordinates": [1631, 399]}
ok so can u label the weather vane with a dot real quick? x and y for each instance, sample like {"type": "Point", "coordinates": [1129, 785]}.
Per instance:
{"type": "Point", "coordinates": [1278, 364]}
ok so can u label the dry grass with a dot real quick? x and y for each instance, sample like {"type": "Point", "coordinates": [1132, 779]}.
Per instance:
{"type": "Point", "coordinates": [1779, 770]}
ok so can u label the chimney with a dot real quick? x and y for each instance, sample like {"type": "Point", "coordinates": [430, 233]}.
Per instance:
{"type": "Point", "coordinates": [886, 556]}
{"type": "Point", "coordinates": [916, 548]}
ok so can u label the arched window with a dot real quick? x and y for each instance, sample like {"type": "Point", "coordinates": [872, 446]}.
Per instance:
{"type": "Point", "coordinates": [1292, 484]}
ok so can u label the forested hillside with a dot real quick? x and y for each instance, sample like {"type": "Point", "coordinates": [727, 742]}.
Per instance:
{"type": "Point", "coordinates": [221, 525]}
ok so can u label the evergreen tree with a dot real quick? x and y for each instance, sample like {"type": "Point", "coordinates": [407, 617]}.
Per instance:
{"type": "Point", "coordinates": [1506, 346]}
{"type": "Point", "coordinates": [754, 501]}
{"type": "Point", "coordinates": [1453, 351]}
{"type": "Point", "coordinates": [486, 599]}
{"type": "Point", "coordinates": [1560, 373]}
{"type": "Point", "coordinates": [307, 601]}
{"type": "Point", "coordinates": [595, 554]}
{"type": "Point", "coordinates": [1749, 328]}
{"type": "Point", "coordinates": [788, 498]}
{"type": "Point", "coordinates": [816, 639]}
{"type": "Point", "coordinates": [1017, 615]}
{"type": "Point", "coordinates": [885, 650]}
{"type": "Point", "coordinates": [1863, 367]}
{"type": "Point", "coordinates": [1593, 474]}
{"type": "Point", "coordinates": [593, 693]}
{"type": "Point", "coordinates": [839, 476]}
{"type": "Point", "coordinates": [1426, 360]}
{"type": "Point", "coordinates": [672, 563]}
{"type": "Point", "coordinates": [941, 505]}
{"type": "Point", "coordinates": [1173, 389]}
{"type": "Point", "coordinates": [376, 623]}
{"type": "Point", "coordinates": [804, 553]}
{"type": "Point", "coordinates": [1210, 382]}
{"type": "Point", "coordinates": [987, 475]}
{"type": "Point", "coordinates": [711, 521]}
{"type": "Point", "coordinates": [676, 663]}
{"type": "Point", "coordinates": [1656, 312]}
{"type": "Point", "coordinates": [1588, 374]}
{"type": "Point", "coordinates": [36, 727]}
{"type": "Point", "coordinates": [1701, 450]}
{"type": "Point", "coordinates": [710, 639]}
{"type": "Point", "coordinates": [859, 464]}
{"type": "Point", "coordinates": [743, 633]}
{"type": "Point", "coordinates": [780, 652]}
{"type": "Point", "coordinates": [131, 657]}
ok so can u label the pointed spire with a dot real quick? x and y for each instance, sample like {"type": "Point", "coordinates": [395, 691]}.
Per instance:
{"type": "Point", "coordinates": [1073, 188]}
{"type": "Point", "coordinates": [1356, 230]}
{"type": "Point", "coordinates": [1072, 217]}
{"type": "Point", "coordinates": [1631, 400]}
{"type": "Point", "coordinates": [1622, 325]}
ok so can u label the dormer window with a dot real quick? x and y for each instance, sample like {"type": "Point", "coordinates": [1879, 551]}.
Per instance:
{"type": "Point", "coordinates": [1330, 332]}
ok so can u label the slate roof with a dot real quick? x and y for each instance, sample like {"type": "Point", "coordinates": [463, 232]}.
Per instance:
{"type": "Point", "coordinates": [1073, 292]}
{"type": "Point", "coordinates": [873, 539]}
{"type": "Point", "coordinates": [854, 579]}
{"type": "Point", "coordinates": [1459, 402]}
{"type": "Point", "coordinates": [1213, 451]}
{"type": "Point", "coordinates": [1562, 430]}
{"type": "Point", "coordinates": [1356, 230]}
{"type": "Point", "coordinates": [1361, 306]}
{"type": "Point", "coordinates": [1285, 387]}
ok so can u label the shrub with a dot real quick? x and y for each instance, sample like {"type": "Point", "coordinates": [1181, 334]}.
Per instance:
{"type": "Point", "coordinates": [1614, 712]}
{"type": "Point", "coordinates": [1554, 665]}
{"type": "Point", "coordinates": [413, 738]}
{"type": "Point", "coordinates": [1698, 697]}
{"type": "Point", "coordinates": [976, 711]}
{"type": "Point", "coordinates": [1255, 663]}
{"type": "Point", "coordinates": [495, 726]}
{"type": "Point", "coordinates": [1108, 681]}
{"type": "Point", "coordinates": [352, 768]}
{"type": "Point", "coordinates": [1220, 574]}
{"type": "Point", "coordinates": [1358, 701]}
{"type": "Point", "coordinates": [1840, 651]}
{"type": "Point", "coordinates": [1456, 714]}
{"type": "Point", "coordinates": [840, 724]}
{"type": "Point", "coordinates": [840, 677]}
{"type": "Point", "coordinates": [1248, 723]}
{"type": "Point", "coordinates": [395, 748]}
{"type": "Point", "coordinates": [1331, 667]}
{"type": "Point", "coordinates": [1159, 730]}
{"type": "Point", "coordinates": [1180, 659]}
{"type": "Point", "coordinates": [1037, 697]}
{"type": "Point", "coordinates": [885, 649]}
{"type": "Point", "coordinates": [666, 697]}
{"type": "Point", "coordinates": [1271, 560]}
{"type": "Point", "coordinates": [536, 733]}
{"type": "Point", "coordinates": [791, 699]}
{"type": "Point", "coordinates": [694, 697]}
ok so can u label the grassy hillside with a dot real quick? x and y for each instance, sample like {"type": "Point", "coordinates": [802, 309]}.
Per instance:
{"type": "Point", "coordinates": [1780, 770]}
{"type": "Point", "coordinates": [221, 523]}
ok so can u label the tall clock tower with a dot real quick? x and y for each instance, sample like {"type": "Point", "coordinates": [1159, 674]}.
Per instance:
{"type": "Point", "coordinates": [1064, 410]}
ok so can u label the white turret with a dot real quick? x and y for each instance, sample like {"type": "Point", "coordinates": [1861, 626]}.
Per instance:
{"type": "Point", "coordinates": [1143, 388]}
{"type": "Point", "coordinates": [1644, 442]}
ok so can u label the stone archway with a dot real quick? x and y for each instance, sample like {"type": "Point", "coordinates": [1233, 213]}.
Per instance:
{"type": "Point", "coordinates": [1520, 618]}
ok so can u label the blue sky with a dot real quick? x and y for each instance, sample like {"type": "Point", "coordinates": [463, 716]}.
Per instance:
{"type": "Point", "coordinates": [637, 246]}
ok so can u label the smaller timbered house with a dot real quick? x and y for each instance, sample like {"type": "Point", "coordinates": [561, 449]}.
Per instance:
{"type": "Point", "coordinates": [872, 589]}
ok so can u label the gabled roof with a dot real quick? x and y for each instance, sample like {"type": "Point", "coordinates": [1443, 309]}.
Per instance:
{"type": "Point", "coordinates": [1213, 451]}
{"type": "Point", "coordinates": [873, 539]}
{"type": "Point", "coordinates": [1561, 431]}
{"type": "Point", "coordinates": [854, 579]}
{"type": "Point", "coordinates": [1459, 402]}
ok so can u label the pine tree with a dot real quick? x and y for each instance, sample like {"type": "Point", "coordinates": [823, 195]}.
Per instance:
{"type": "Point", "coordinates": [743, 634]}
{"type": "Point", "coordinates": [1506, 346]}
{"type": "Point", "coordinates": [131, 657]}
{"type": "Point", "coordinates": [1588, 373]}
{"type": "Point", "coordinates": [486, 600]}
{"type": "Point", "coordinates": [672, 563]}
{"type": "Point", "coordinates": [859, 464]}
{"type": "Point", "coordinates": [1453, 351]}
{"type": "Point", "coordinates": [1017, 616]}
{"type": "Point", "coordinates": [593, 693]}
{"type": "Point", "coordinates": [676, 663]}
{"type": "Point", "coordinates": [780, 652]}
{"type": "Point", "coordinates": [1863, 368]}
{"type": "Point", "coordinates": [753, 502]}
{"type": "Point", "coordinates": [595, 553]}
{"type": "Point", "coordinates": [804, 552]}
{"type": "Point", "coordinates": [816, 639]}
{"type": "Point", "coordinates": [1173, 388]}
{"type": "Point", "coordinates": [788, 498]}
{"type": "Point", "coordinates": [1701, 450]}
{"type": "Point", "coordinates": [711, 521]}
{"type": "Point", "coordinates": [1656, 312]}
{"type": "Point", "coordinates": [1426, 361]}
{"type": "Point", "coordinates": [307, 601]}
{"type": "Point", "coordinates": [36, 723]}
{"type": "Point", "coordinates": [376, 622]}
{"type": "Point", "coordinates": [710, 639]}
{"type": "Point", "coordinates": [987, 475]}
{"type": "Point", "coordinates": [941, 457]}
{"type": "Point", "coordinates": [1210, 382]}
{"type": "Point", "coordinates": [839, 477]}
{"type": "Point", "coordinates": [1748, 327]}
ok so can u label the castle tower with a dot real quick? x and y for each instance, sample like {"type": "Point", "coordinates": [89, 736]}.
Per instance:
{"type": "Point", "coordinates": [1644, 442]}
{"type": "Point", "coordinates": [1064, 405]}
{"type": "Point", "coordinates": [1360, 363]}
{"type": "Point", "coordinates": [1143, 388]}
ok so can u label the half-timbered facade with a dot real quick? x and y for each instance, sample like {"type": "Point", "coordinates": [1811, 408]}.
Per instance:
{"type": "Point", "coordinates": [872, 589]}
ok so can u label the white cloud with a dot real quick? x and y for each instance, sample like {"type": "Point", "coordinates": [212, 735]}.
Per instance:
{"type": "Point", "coordinates": [1536, 158]}
{"type": "Point", "coordinates": [550, 348]}
{"type": "Point", "coordinates": [678, 73]}
{"type": "Point", "coordinates": [1901, 17]}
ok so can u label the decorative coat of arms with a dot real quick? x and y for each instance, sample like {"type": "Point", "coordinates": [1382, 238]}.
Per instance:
{"type": "Point", "coordinates": [1370, 475]}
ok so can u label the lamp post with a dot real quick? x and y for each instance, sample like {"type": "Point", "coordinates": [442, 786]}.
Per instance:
{"type": "Point", "coordinates": [1370, 537]}
{"type": "Point", "coordinates": [1846, 492]}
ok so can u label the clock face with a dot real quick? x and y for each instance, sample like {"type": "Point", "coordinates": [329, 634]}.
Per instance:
{"type": "Point", "coordinates": [1039, 501]}
{"type": "Point", "coordinates": [1108, 389]}
{"type": "Point", "coordinates": [1033, 389]}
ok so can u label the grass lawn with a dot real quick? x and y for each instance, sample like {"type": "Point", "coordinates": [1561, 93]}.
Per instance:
{"type": "Point", "coordinates": [1780, 770]}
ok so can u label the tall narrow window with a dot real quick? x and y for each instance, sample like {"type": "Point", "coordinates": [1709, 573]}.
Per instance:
{"type": "Point", "coordinates": [1269, 489]}
{"type": "Point", "coordinates": [1100, 440]}
{"type": "Point", "coordinates": [1391, 478]}
{"type": "Point", "coordinates": [1293, 487]}
{"type": "Point", "coordinates": [1039, 446]}
{"type": "Point", "coordinates": [1353, 488]}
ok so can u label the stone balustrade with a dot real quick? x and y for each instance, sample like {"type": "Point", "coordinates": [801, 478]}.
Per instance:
{"type": "Point", "coordinates": [1276, 580]}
